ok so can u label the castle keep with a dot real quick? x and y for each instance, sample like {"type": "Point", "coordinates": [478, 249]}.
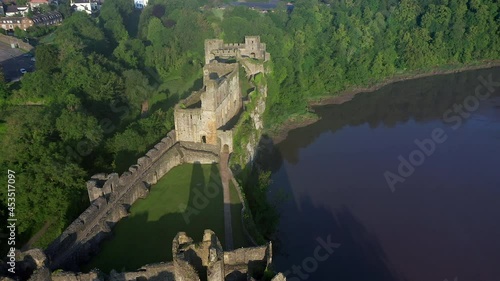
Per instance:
{"type": "Point", "coordinates": [201, 117]}
{"type": "Point", "coordinates": [204, 117]}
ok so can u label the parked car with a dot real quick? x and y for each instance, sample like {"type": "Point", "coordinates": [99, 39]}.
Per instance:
{"type": "Point", "coordinates": [23, 71]}
{"type": "Point", "coordinates": [33, 59]}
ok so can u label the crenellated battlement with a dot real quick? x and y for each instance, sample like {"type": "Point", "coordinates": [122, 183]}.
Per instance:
{"type": "Point", "coordinates": [252, 48]}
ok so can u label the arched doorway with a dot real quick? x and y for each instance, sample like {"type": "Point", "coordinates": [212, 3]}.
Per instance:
{"type": "Point", "coordinates": [252, 55]}
{"type": "Point", "coordinates": [203, 139]}
{"type": "Point", "coordinates": [225, 148]}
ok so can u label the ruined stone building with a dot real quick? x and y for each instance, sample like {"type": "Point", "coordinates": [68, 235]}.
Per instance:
{"type": "Point", "coordinates": [203, 129]}
{"type": "Point", "coordinates": [201, 117]}
{"type": "Point", "coordinates": [203, 261]}
{"type": "Point", "coordinates": [204, 117]}
{"type": "Point", "coordinates": [252, 48]}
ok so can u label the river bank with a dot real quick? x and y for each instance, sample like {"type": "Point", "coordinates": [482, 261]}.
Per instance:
{"type": "Point", "coordinates": [298, 121]}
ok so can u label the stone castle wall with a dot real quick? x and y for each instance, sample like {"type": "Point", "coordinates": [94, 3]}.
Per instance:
{"type": "Point", "coordinates": [192, 261]}
{"type": "Point", "coordinates": [220, 100]}
{"type": "Point", "coordinates": [189, 124]}
{"type": "Point", "coordinates": [252, 48]}
{"type": "Point", "coordinates": [198, 138]}
{"type": "Point", "coordinates": [112, 195]}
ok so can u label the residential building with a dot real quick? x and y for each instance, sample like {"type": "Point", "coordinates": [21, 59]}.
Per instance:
{"type": "Point", "coordinates": [36, 3]}
{"type": "Point", "coordinates": [47, 19]}
{"type": "Point", "coordinates": [10, 23]}
{"type": "Point", "coordinates": [140, 4]}
{"type": "Point", "coordinates": [13, 11]}
{"type": "Point", "coordinates": [82, 6]}
{"type": "Point", "coordinates": [50, 18]}
{"type": "Point", "coordinates": [88, 6]}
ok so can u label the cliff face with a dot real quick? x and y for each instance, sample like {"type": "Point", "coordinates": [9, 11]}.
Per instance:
{"type": "Point", "coordinates": [248, 131]}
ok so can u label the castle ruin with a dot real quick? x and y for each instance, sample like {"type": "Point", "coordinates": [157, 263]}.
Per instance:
{"type": "Point", "coordinates": [252, 48]}
{"type": "Point", "coordinates": [204, 261]}
{"type": "Point", "coordinates": [202, 116]}
{"type": "Point", "coordinates": [203, 124]}
{"type": "Point", "coordinates": [206, 115]}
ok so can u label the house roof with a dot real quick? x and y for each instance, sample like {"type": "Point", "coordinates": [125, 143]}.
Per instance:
{"type": "Point", "coordinates": [13, 19]}
{"type": "Point", "coordinates": [11, 9]}
{"type": "Point", "coordinates": [42, 18]}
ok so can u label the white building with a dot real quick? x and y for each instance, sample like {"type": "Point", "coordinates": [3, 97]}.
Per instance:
{"type": "Point", "coordinates": [88, 6]}
{"type": "Point", "coordinates": [37, 3]}
{"type": "Point", "coordinates": [13, 10]}
{"type": "Point", "coordinates": [139, 4]}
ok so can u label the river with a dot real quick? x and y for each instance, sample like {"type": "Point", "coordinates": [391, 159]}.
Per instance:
{"type": "Point", "coordinates": [402, 183]}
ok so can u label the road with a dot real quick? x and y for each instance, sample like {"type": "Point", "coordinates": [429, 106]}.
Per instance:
{"type": "Point", "coordinates": [12, 60]}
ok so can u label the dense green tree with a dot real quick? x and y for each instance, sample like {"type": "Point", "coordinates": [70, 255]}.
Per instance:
{"type": "Point", "coordinates": [47, 58]}
{"type": "Point", "coordinates": [131, 53]}
{"type": "Point", "coordinates": [4, 91]}
{"type": "Point", "coordinates": [74, 126]}
{"type": "Point", "coordinates": [138, 90]}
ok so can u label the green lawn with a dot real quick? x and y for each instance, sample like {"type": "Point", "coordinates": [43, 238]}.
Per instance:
{"type": "Point", "coordinates": [48, 39]}
{"type": "Point", "coordinates": [146, 235]}
{"type": "Point", "coordinates": [218, 13]}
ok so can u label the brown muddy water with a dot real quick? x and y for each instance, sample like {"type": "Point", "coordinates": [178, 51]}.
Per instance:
{"type": "Point", "coordinates": [398, 184]}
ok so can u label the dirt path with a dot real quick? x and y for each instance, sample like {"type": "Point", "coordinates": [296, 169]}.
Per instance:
{"type": "Point", "coordinates": [225, 178]}
{"type": "Point", "coordinates": [37, 236]}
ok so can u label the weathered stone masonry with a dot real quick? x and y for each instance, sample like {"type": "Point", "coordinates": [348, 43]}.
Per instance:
{"type": "Point", "coordinates": [202, 116]}
{"type": "Point", "coordinates": [201, 133]}
{"type": "Point", "coordinates": [111, 197]}
{"type": "Point", "coordinates": [191, 262]}
{"type": "Point", "coordinates": [252, 48]}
